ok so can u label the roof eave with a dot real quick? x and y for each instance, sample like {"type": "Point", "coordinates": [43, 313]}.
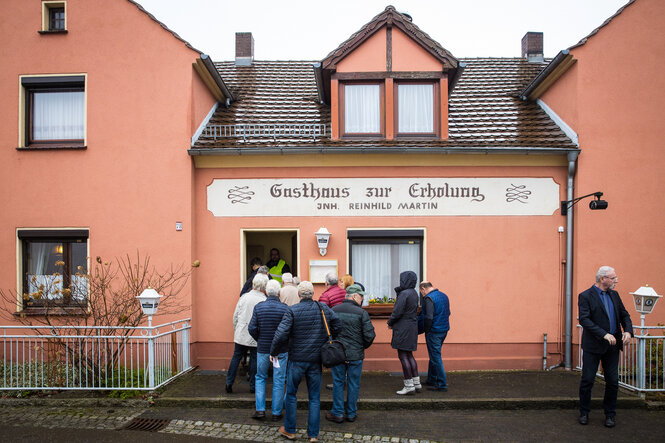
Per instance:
{"type": "Point", "coordinates": [556, 68]}
{"type": "Point", "coordinates": [210, 76]}
{"type": "Point", "coordinates": [313, 149]}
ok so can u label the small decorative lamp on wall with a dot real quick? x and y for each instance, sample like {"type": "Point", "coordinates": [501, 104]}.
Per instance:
{"type": "Point", "coordinates": [322, 237]}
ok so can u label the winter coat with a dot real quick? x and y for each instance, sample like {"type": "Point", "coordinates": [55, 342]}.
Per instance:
{"type": "Point", "coordinates": [265, 319]}
{"type": "Point", "coordinates": [333, 296]}
{"type": "Point", "coordinates": [302, 327]}
{"type": "Point", "coordinates": [404, 319]}
{"type": "Point", "coordinates": [242, 316]}
{"type": "Point", "coordinates": [358, 332]}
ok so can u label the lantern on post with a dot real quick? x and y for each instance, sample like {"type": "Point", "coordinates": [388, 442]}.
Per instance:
{"type": "Point", "coordinates": [149, 301]}
{"type": "Point", "coordinates": [645, 300]}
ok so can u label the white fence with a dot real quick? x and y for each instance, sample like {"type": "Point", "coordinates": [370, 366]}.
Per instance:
{"type": "Point", "coordinates": [97, 358]}
{"type": "Point", "coordinates": [641, 361]}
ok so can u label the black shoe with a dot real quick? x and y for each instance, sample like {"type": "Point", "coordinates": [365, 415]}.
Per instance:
{"type": "Point", "coordinates": [436, 388]}
{"type": "Point", "coordinates": [277, 417]}
{"type": "Point", "coordinates": [609, 422]}
{"type": "Point", "coordinates": [229, 389]}
{"type": "Point", "coordinates": [352, 419]}
{"type": "Point", "coordinates": [259, 415]}
{"type": "Point", "coordinates": [584, 419]}
{"type": "Point", "coordinates": [334, 418]}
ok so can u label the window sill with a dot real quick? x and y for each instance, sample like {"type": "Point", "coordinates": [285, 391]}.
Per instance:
{"type": "Point", "coordinates": [57, 147]}
{"type": "Point", "coordinates": [70, 311]}
{"type": "Point", "coordinates": [56, 31]}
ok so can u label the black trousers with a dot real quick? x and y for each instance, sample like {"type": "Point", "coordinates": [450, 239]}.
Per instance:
{"type": "Point", "coordinates": [610, 361]}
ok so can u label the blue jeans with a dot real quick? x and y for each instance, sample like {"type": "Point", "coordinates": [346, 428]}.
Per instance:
{"type": "Point", "coordinates": [238, 354]}
{"type": "Point", "coordinates": [278, 379]}
{"type": "Point", "coordinates": [312, 373]}
{"type": "Point", "coordinates": [436, 374]}
{"type": "Point", "coordinates": [348, 373]}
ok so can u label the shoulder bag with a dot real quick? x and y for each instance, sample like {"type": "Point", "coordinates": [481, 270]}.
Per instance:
{"type": "Point", "coordinates": [333, 352]}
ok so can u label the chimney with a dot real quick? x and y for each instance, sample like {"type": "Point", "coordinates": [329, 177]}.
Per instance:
{"type": "Point", "coordinates": [244, 48]}
{"type": "Point", "coordinates": [532, 47]}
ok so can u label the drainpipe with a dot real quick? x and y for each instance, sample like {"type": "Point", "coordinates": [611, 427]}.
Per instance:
{"type": "Point", "coordinates": [572, 161]}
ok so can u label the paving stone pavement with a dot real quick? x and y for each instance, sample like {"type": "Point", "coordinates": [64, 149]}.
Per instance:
{"type": "Point", "coordinates": [114, 419]}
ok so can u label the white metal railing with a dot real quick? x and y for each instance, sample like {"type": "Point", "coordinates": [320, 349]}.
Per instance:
{"type": "Point", "coordinates": [245, 131]}
{"type": "Point", "coordinates": [98, 358]}
{"type": "Point", "coordinates": [641, 361]}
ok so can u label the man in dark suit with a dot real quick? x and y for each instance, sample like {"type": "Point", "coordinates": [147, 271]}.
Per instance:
{"type": "Point", "coordinates": [602, 315]}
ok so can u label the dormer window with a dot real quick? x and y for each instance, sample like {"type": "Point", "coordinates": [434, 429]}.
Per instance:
{"type": "Point", "coordinates": [388, 80]}
{"type": "Point", "coordinates": [362, 104]}
{"type": "Point", "coordinates": [416, 109]}
{"type": "Point", "coordinates": [54, 17]}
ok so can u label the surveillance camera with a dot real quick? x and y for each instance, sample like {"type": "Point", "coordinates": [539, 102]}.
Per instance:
{"type": "Point", "coordinates": [597, 204]}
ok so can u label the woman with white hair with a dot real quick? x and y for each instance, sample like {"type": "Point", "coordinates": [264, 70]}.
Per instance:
{"type": "Point", "coordinates": [243, 341]}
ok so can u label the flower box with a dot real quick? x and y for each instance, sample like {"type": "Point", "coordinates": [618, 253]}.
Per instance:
{"type": "Point", "coordinates": [379, 310]}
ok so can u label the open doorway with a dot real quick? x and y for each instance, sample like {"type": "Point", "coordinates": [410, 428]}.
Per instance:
{"type": "Point", "coordinates": [259, 243]}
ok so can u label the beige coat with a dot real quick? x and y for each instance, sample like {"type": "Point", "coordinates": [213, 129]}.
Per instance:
{"type": "Point", "coordinates": [242, 316]}
{"type": "Point", "coordinates": [289, 295]}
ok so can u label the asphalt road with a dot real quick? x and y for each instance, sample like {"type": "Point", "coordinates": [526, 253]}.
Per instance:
{"type": "Point", "coordinates": [447, 425]}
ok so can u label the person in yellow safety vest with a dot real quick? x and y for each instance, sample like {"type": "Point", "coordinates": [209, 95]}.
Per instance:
{"type": "Point", "coordinates": [277, 266]}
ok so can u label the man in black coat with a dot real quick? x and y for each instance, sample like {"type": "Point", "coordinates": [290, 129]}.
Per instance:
{"type": "Point", "coordinates": [602, 315]}
{"type": "Point", "coordinates": [266, 317]}
{"type": "Point", "coordinates": [303, 329]}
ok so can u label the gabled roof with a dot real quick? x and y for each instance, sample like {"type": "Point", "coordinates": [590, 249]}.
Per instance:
{"type": "Point", "coordinates": [486, 113]}
{"type": "Point", "coordinates": [390, 17]}
{"type": "Point", "coordinates": [605, 23]}
{"type": "Point", "coordinates": [562, 62]}
{"type": "Point", "coordinates": [142, 9]}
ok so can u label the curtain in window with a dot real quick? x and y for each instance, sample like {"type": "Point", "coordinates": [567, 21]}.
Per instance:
{"type": "Point", "coordinates": [41, 266]}
{"type": "Point", "coordinates": [57, 115]}
{"type": "Point", "coordinates": [377, 266]}
{"type": "Point", "coordinates": [416, 108]}
{"type": "Point", "coordinates": [371, 267]}
{"type": "Point", "coordinates": [409, 259]}
{"type": "Point", "coordinates": [362, 109]}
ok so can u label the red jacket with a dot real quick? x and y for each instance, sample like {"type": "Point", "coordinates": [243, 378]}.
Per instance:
{"type": "Point", "coordinates": [333, 296]}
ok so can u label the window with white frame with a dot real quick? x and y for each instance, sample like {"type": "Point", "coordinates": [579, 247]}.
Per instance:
{"type": "Point", "coordinates": [377, 257]}
{"type": "Point", "coordinates": [54, 18]}
{"type": "Point", "coordinates": [54, 267]}
{"type": "Point", "coordinates": [362, 110]}
{"type": "Point", "coordinates": [416, 108]}
{"type": "Point", "coordinates": [54, 110]}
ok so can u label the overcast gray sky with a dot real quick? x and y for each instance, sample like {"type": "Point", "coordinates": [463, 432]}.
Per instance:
{"type": "Point", "coordinates": [310, 29]}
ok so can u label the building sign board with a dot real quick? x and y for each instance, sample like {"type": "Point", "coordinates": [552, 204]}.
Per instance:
{"type": "Point", "coordinates": [370, 197]}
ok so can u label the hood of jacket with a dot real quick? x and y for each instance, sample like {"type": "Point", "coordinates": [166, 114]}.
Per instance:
{"type": "Point", "coordinates": [407, 280]}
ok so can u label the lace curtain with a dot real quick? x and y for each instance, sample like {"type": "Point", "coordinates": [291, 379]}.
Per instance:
{"type": "Point", "coordinates": [57, 115]}
{"type": "Point", "coordinates": [362, 109]}
{"type": "Point", "coordinates": [377, 266]}
{"type": "Point", "coordinates": [415, 108]}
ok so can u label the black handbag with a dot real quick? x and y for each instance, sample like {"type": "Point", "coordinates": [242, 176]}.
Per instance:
{"type": "Point", "coordinates": [333, 352]}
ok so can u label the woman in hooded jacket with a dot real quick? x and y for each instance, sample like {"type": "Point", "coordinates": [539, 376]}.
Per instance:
{"type": "Point", "coordinates": [404, 323]}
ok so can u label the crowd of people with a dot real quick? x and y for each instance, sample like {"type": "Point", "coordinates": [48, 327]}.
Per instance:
{"type": "Point", "coordinates": [280, 325]}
